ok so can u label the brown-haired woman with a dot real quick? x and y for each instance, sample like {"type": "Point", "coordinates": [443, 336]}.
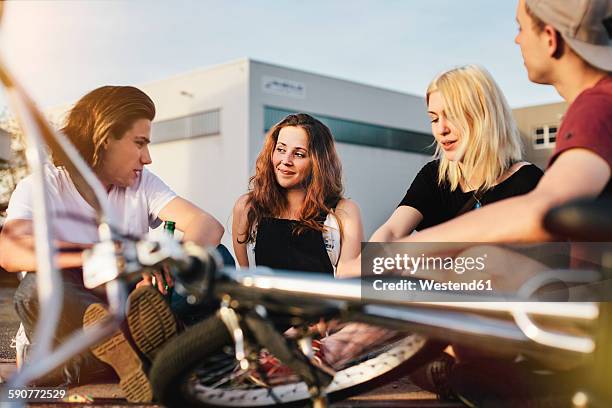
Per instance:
{"type": "Point", "coordinates": [294, 216]}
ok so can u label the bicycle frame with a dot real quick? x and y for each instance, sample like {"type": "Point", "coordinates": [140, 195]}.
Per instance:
{"type": "Point", "coordinates": [439, 319]}
{"type": "Point", "coordinates": [39, 135]}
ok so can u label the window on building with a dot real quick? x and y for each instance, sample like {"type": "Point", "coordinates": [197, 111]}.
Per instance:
{"type": "Point", "coordinates": [552, 134]}
{"type": "Point", "coordinates": [187, 127]}
{"type": "Point", "coordinates": [353, 132]}
{"type": "Point", "coordinates": [544, 137]}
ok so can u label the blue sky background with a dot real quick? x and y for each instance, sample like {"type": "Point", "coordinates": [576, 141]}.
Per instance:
{"type": "Point", "coordinates": [62, 49]}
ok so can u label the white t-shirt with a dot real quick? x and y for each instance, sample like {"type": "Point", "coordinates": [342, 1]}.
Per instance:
{"type": "Point", "coordinates": [135, 208]}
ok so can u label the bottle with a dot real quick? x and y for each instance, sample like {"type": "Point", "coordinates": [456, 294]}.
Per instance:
{"type": "Point", "coordinates": [168, 228]}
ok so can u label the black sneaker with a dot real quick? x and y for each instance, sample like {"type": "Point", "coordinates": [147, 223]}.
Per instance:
{"type": "Point", "coordinates": [66, 375]}
{"type": "Point", "coordinates": [496, 383]}
{"type": "Point", "coordinates": [434, 376]}
{"type": "Point", "coordinates": [79, 370]}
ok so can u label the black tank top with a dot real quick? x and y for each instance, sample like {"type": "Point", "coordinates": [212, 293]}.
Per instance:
{"type": "Point", "coordinates": [277, 247]}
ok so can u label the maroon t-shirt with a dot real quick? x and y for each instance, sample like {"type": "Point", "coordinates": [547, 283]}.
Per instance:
{"type": "Point", "coordinates": [588, 124]}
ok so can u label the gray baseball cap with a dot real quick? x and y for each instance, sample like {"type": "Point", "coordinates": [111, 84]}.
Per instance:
{"type": "Point", "coordinates": [586, 25]}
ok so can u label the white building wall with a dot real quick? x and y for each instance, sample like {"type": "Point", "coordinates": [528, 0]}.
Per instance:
{"type": "Point", "coordinates": [5, 146]}
{"type": "Point", "coordinates": [375, 178]}
{"type": "Point", "coordinates": [210, 171]}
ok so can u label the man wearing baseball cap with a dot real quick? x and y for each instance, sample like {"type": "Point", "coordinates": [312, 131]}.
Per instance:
{"type": "Point", "coordinates": [567, 44]}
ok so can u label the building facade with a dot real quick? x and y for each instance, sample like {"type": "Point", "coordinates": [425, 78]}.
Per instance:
{"type": "Point", "coordinates": [538, 126]}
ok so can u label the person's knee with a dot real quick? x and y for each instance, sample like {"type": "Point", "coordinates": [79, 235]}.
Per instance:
{"type": "Point", "coordinates": [25, 301]}
{"type": "Point", "coordinates": [26, 294]}
{"type": "Point", "coordinates": [74, 301]}
{"type": "Point", "coordinates": [27, 286]}
{"type": "Point", "coordinates": [228, 259]}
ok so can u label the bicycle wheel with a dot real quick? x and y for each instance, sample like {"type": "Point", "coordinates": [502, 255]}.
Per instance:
{"type": "Point", "coordinates": [195, 370]}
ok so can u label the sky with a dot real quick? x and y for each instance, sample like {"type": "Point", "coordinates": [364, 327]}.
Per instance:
{"type": "Point", "coordinates": [60, 50]}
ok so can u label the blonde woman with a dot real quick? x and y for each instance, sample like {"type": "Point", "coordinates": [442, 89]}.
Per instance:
{"type": "Point", "coordinates": [478, 160]}
{"type": "Point", "coordinates": [478, 157]}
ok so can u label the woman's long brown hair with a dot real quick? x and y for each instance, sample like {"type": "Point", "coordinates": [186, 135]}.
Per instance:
{"type": "Point", "coordinates": [266, 198]}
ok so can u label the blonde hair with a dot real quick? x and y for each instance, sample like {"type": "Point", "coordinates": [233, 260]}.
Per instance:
{"type": "Point", "coordinates": [490, 142]}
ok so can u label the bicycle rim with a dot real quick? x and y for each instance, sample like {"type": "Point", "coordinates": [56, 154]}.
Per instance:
{"type": "Point", "coordinates": [194, 370]}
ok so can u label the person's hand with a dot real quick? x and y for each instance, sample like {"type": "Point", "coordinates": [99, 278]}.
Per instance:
{"type": "Point", "coordinates": [163, 279]}
{"type": "Point", "coordinates": [321, 329]}
{"type": "Point", "coordinates": [351, 341]}
{"type": "Point", "coordinates": [166, 278]}
{"type": "Point", "coordinates": [147, 280]}
{"type": "Point", "coordinates": [325, 327]}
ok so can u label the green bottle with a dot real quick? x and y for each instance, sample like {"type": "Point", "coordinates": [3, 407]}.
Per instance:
{"type": "Point", "coordinates": [169, 228]}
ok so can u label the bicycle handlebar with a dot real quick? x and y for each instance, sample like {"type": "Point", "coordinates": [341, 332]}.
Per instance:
{"type": "Point", "coordinates": [582, 220]}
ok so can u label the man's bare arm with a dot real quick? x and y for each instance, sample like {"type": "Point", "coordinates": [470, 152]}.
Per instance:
{"type": "Point", "coordinates": [17, 251]}
{"type": "Point", "coordinates": [577, 173]}
{"type": "Point", "coordinates": [196, 224]}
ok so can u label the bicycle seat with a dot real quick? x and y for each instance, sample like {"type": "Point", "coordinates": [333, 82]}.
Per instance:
{"type": "Point", "coordinates": [582, 220]}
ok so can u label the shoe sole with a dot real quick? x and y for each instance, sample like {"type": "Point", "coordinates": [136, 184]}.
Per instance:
{"type": "Point", "coordinates": [150, 320]}
{"type": "Point", "coordinates": [117, 352]}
